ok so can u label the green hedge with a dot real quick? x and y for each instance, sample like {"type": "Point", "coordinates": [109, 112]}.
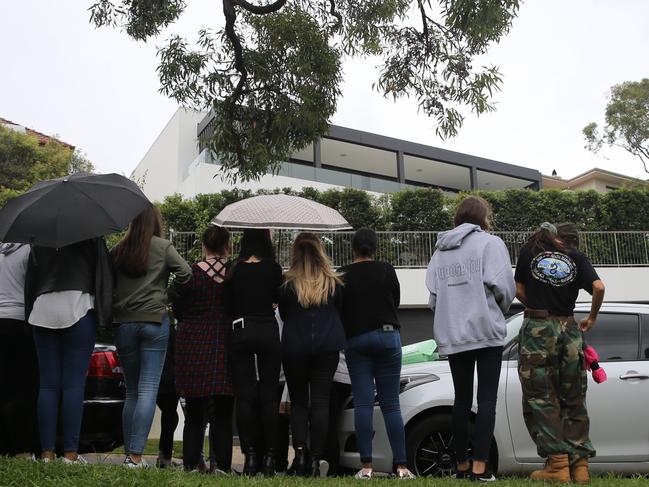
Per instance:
{"type": "Point", "coordinates": [430, 209]}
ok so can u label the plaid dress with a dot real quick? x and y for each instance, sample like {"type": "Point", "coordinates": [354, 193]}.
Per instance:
{"type": "Point", "coordinates": [203, 335]}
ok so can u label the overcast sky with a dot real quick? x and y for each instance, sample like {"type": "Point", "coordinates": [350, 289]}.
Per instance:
{"type": "Point", "coordinates": [98, 90]}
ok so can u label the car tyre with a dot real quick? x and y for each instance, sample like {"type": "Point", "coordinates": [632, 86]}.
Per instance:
{"type": "Point", "coordinates": [429, 446]}
{"type": "Point", "coordinates": [430, 449]}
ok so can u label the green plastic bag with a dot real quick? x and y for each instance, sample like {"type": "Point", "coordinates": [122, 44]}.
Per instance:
{"type": "Point", "coordinates": [419, 352]}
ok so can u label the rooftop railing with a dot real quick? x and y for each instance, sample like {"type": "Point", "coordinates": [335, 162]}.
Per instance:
{"type": "Point", "coordinates": [413, 249]}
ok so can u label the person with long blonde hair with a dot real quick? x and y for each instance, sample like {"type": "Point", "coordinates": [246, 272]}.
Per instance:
{"type": "Point", "coordinates": [313, 335]}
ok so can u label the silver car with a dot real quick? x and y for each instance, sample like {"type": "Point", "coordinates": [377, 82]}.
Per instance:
{"type": "Point", "coordinates": [618, 408]}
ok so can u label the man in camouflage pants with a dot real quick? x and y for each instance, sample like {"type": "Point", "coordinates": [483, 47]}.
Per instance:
{"type": "Point", "coordinates": [549, 275]}
{"type": "Point", "coordinates": [554, 381]}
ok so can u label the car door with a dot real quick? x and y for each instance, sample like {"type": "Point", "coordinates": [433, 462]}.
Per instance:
{"type": "Point", "coordinates": [619, 421]}
{"type": "Point", "coordinates": [524, 447]}
{"type": "Point", "coordinates": [619, 427]}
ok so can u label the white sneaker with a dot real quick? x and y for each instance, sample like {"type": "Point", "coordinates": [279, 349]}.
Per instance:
{"type": "Point", "coordinates": [483, 477]}
{"type": "Point", "coordinates": [405, 474]}
{"type": "Point", "coordinates": [364, 473]}
{"type": "Point", "coordinates": [129, 463]}
{"type": "Point", "coordinates": [78, 461]}
{"type": "Point", "coordinates": [323, 469]}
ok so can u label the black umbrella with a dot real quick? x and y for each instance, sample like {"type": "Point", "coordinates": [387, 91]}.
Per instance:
{"type": "Point", "coordinates": [62, 211]}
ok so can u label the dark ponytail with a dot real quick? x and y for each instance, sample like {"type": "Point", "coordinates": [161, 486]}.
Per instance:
{"type": "Point", "coordinates": [545, 239]}
{"type": "Point", "coordinates": [364, 242]}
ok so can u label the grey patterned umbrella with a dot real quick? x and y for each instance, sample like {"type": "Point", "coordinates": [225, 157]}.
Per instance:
{"type": "Point", "coordinates": [280, 211]}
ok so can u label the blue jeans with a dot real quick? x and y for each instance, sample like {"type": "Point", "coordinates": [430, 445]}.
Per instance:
{"type": "Point", "coordinates": [375, 357]}
{"type": "Point", "coordinates": [63, 359]}
{"type": "Point", "coordinates": [141, 348]}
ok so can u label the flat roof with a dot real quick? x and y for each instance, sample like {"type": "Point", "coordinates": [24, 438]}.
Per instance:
{"type": "Point", "coordinates": [429, 152]}
{"type": "Point", "coordinates": [476, 166]}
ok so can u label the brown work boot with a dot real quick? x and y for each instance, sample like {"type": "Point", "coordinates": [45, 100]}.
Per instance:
{"type": "Point", "coordinates": [579, 471]}
{"type": "Point", "coordinates": [557, 469]}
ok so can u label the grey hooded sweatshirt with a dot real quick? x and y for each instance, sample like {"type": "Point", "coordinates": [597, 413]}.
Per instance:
{"type": "Point", "coordinates": [471, 286]}
{"type": "Point", "coordinates": [13, 267]}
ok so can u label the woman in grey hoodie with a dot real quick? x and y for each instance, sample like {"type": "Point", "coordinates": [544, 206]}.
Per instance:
{"type": "Point", "coordinates": [471, 287]}
{"type": "Point", "coordinates": [18, 363]}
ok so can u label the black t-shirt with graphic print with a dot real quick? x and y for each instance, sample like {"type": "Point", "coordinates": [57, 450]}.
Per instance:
{"type": "Point", "coordinates": [553, 278]}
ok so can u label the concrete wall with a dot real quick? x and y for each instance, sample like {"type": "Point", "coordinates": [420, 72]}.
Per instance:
{"type": "Point", "coordinates": [596, 184]}
{"type": "Point", "coordinates": [162, 167]}
{"type": "Point", "coordinates": [622, 284]}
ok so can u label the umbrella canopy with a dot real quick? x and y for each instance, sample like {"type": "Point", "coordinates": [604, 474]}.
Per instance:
{"type": "Point", "coordinates": [280, 211]}
{"type": "Point", "coordinates": [63, 211]}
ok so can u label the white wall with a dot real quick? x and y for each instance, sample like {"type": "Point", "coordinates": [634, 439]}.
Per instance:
{"type": "Point", "coordinates": [162, 167]}
{"type": "Point", "coordinates": [622, 284]}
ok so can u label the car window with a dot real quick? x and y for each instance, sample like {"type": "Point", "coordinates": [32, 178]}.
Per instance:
{"type": "Point", "coordinates": [615, 336]}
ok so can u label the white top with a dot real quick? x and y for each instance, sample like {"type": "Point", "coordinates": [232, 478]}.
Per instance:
{"type": "Point", "coordinates": [342, 374]}
{"type": "Point", "coordinates": [60, 309]}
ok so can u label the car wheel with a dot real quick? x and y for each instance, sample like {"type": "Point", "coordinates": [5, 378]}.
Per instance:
{"type": "Point", "coordinates": [430, 448]}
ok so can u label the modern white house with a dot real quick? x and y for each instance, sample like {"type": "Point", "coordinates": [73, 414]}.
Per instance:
{"type": "Point", "coordinates": [178, 162]}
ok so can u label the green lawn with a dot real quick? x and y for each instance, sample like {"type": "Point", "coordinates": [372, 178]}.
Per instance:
{"type": "Point", "coordinates": [19, 473]}
{"type": "Point", "coordinates": [151, 448]}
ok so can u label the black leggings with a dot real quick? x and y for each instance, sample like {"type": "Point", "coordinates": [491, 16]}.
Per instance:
{"type": "Point", "coordinates": [217, 410]}
{"type": "Point", "coordinates": [309, 379]}
{"type": "Point", "coordinates": [256, 352]}
{"type": "Point", "coordinates": [281, 442]}
{"type": "Point", "coordinates": [462, 364]}
{"type": "Point", "coordinates": [18, 389]}
{"type": "Point", "coordinates": [339, 395]}
{"type": "Point", "coordinates": [168, 404]}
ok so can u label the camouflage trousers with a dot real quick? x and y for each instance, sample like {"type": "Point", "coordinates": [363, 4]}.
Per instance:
{"type": "Point", "coordinates": [554, 382]}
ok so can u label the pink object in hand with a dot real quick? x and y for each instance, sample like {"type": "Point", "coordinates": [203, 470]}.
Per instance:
{"type": "Point", "coordinates": [599, 375]}
{"type": "Point", "coordinates": [590, 356]}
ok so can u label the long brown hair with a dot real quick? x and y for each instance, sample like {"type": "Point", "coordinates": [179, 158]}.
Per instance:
{"type": "Point", "coordinates": [476, 210]}
{"type": "Point", "coordinates": [310, 273]}
{"type": "Point", "coordinates": [131, 254]}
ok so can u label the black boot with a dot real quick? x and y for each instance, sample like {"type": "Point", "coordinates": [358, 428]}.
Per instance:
{"type": "Point", "coordinates": [250, 466]}
{"type": "Point", "coordinates": [268, 468]}
{"type": "Point", "coordinates": [300, 462]}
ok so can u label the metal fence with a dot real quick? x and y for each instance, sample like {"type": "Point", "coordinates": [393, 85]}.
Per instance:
{"type": "Point", "coordinates": [413, 249]}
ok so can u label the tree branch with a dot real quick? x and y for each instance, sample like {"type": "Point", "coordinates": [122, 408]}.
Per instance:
{"type": "Point", "coordinates": [643, 151]}
{"type": "Point", "coordinates": [239, 64]}
{"type": "Point", "coordinates": [644, 163]}
{"type": "Point", "coordinates": [424, 21]}
{"type": "Point", "coordinates": [260, 9]}
{"type": "Point", "coordinates": [230, 19]}
{"type": "Point", "coordinates": [335, 13]}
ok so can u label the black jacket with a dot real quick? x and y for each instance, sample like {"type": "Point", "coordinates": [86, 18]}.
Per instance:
{"type": "Point", "coordinates": [310, 330]}
{"type": "Point", "coordinates": [85, 266]}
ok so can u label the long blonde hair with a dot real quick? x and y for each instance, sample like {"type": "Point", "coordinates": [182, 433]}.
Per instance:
{"type": "Point", "coordinates": [310, 273]}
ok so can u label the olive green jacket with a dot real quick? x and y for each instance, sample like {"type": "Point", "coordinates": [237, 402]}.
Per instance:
{"type": "Point", "coordinates": [145, 298]}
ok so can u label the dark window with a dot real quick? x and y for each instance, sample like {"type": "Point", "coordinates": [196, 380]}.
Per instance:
{"type": "Point", "coordinates": [614, 336]}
